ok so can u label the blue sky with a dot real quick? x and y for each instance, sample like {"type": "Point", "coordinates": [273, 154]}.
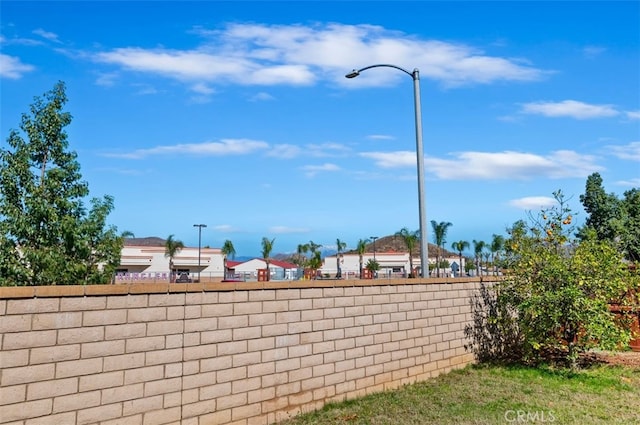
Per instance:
{"type": "Point", "coordinates": [238, 115]}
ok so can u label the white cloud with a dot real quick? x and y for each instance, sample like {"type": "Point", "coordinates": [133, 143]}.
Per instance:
{"type": "Point", "coordinates": [630, 183]}
{"type": "Point", "coordinates": [494, 165]}
{"type": "Point", "coordinates": [312, 170]}
{"type": "Point", "coordinates": [202, 88]}
{"type": "Point", "coordinates": [630, 151]}
{"type": "Point", "coordinates": [380, 137]}
{"type": "Point", "coordinates": [287, 229]}
{"type": "Point", "coordinates": [284, 151]}
{"type": "Point", "coordinates": [593, 51]}
{"type": "Point", "coordinates": [106, 79]}
{"type": "Point", "coordinates": [533, 202]}
{"type": "Point", "coordinates": [633, 115]}
{"type": "Point", "coordinates": [46, 34]}
{"type": "Point", "coordinates": [261, 96]}
{"type": "Point", "coordinates": [226, 228]}
{"type": "Point", "coordinates": [260, 54]}
{"type": "Point", "coordinates": [569, 108]}
{"type": "Point", "coordinates": [223, 148]}
{"type": "Point", "coordinates": [11, 67]}
{"type": "Point", "coordinates": [392, 159]}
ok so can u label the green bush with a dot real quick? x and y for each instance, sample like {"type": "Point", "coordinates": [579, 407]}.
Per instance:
{"type": "Point", "coordinates": [554, 302]}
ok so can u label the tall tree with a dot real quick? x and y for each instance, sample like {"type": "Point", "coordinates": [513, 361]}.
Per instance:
{"type": "Point", "coordinates": [439, 237]}
{"type": "Point", "coordinates": [631, 216]}
{"type": "Point", "coordinates": [227, 250]}
{"type": "Point", "coordinates": [47, 235]}
{"type": "Point", "coordinates": [603, 210]}
{"type": "Point", "coordinates": [478, 247]}
{"type": "Point", "coordinates": [267, 247]}
{"type": "Point", "coordinates": [459, 247]}
{"type": "Point", "coordinates": [172, 247]}
{"type": "Point", "coordinates": [496, 246]}
{"type": "Point", "coordinates": [340, 246]}
{"type": "Point", "coordinates": [410, 240]}
{"type": "Point", "coordinates": [361, 248]}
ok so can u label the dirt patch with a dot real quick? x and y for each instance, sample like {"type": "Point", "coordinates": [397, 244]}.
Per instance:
{"type": "Point", "coordinates": [621, 358]}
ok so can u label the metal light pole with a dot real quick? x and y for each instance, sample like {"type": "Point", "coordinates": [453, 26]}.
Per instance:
{"type": "Point", "coordinates": [374, 246]}
{"type": "Point", "coordinates": [199, 226]}
{"type": "Point", "coordinates": [422, 212]}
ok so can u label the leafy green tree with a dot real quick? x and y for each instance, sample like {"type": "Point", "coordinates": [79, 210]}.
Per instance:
{"type": "Point", "coordinates": [47, 235]}
{"type": "Point", "coordinates": [410, 240]}
{"type": "Point", "coordinates": [361, 248]}
{"type": "Point", "coordinates": [561, 287]}
{"type": "Point", "coordinates": [631, 225]}
{"type": "Point", "coordinates": [267, 247]}
{"type": "Point", "coordinates": [340, 246]}
{"type": "Point", "coordinates": [603, 209]}
{"type": "Point", "coordinates": [172, 247]}
{"type": "Point", "coordinates": [459, 247]}
{"type": "Point", "coordinates": [228, 250]}
{"type": "Point", "coordinates": [439, 237]}
{"type": "Point", "coordinates": [612, 219]}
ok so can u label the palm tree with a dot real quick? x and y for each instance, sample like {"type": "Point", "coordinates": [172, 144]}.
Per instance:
{"type": "Point", "coordinates": [315, 262]}
{"type": "Point", "coordinates": [227, 250]}
{"type": "Point", "coordinates": [459, 247]}
{"type": "Point", "coordinates": [313, 247]}
{"type": "Point", "coordinates": [267, 247]}
{"type": "Point", "coordinates": [171, 248]}
{"type": "Point", "coordinates": [410, 240]}
{"type": "Point", "coordinates": [361, 249]}
{"type": "Point", "coordinates": [497, 244]}
{"type": "Point", "coordinates": [478, 247]}
{"type": "Point", "coordinates": [439, 235]}
{"type": "Point", "coordinates": [339, 247]}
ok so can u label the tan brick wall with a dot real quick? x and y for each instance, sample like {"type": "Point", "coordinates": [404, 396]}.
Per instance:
{"type": "Point", "coordinates": [206, 354]}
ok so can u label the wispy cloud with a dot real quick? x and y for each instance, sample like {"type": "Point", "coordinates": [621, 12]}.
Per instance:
{"type": "Point", "coordinates": [47, 34]}
{"type": "Point", "coordinates": [380, 137]}
{"type": "Point", "coordinates": [226, 228]}
{"type": "Point", "coordinates": [629, 183]}
{"type": "Point", "coordinates": [312, 170]}
{"type": "Point", "coordinates": [329, 149]}
{"type": "Point", "coordinates": [593, 51]}
{"type": "Point", "coordinates": [533, 202]}
{"type": "Point", "coordinates": [633, 115]}
{"type": "Point", "coordinates": [278, 230]}
{"type": "Point", "coordinates": [261, 54]}
{"type": "Point", "coordinates": [494, 165]}
{"type": "Point", "coordinates": [569, 108]}
{"type": "Point", "coordinates": [223, 148]}
{"type": "Point", "coordinates": [261, 97]}
{"type": "Point", "coordinates": [11, 67]}
{"type": "Point", "coordinates": [392, 159]}
{"type": "Point", "coordinates": [630, 151]}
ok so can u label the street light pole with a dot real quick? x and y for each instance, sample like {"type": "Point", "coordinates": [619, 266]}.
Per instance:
{"type": "Point", "coordinates": [374, 246]}
{"type": "Point", "coordinates": [422, 212]}
{"type": "Point", "coordinates": [199, 226]}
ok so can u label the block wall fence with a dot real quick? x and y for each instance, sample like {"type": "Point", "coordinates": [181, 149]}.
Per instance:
{"type": "Point", "coordinates": [220, 353]}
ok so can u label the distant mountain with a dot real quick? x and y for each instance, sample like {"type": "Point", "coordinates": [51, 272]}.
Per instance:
{"type": "Point", "coordinates": [396, 244]}
{"type": "Point", "coordinates": [150, 241]}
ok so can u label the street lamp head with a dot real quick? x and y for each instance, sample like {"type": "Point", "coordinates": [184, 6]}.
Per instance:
{"type": "Point", "coordinates": [353, 74]}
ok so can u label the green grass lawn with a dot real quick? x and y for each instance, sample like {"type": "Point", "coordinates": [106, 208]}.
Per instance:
{"type": "Point", "coordinates": [601, 394]}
